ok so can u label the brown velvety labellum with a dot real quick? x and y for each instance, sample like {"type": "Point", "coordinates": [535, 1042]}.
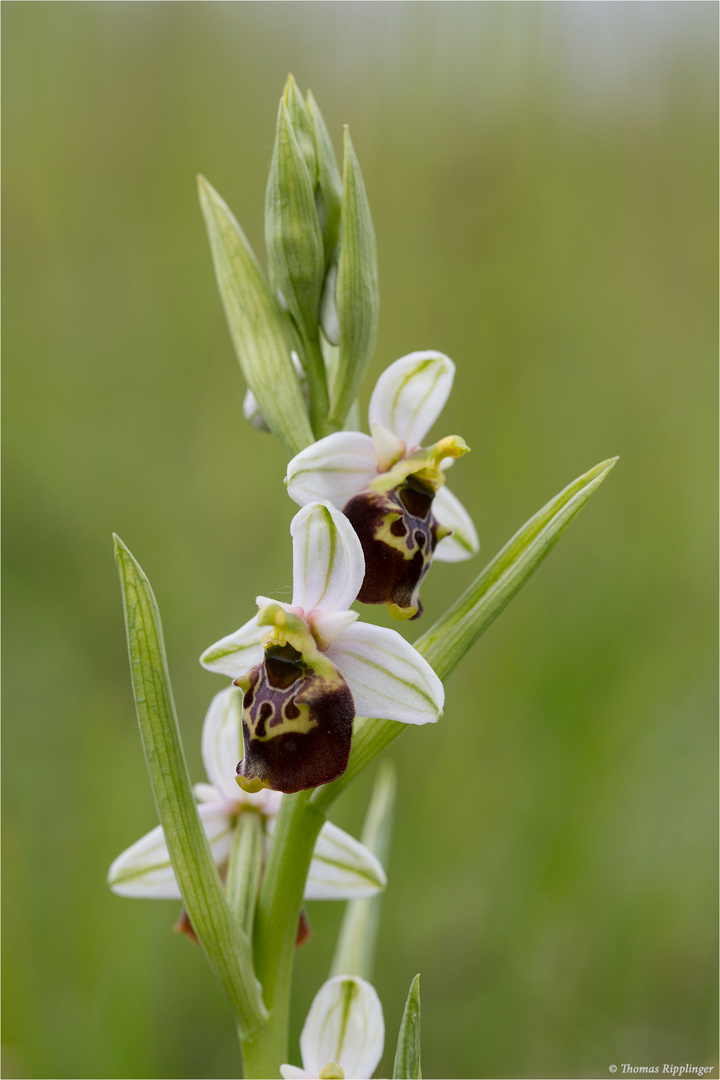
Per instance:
{"type": "Point", "coordinates": [398, 533]}
{"type": "Point", "coordinates": [297, 722]}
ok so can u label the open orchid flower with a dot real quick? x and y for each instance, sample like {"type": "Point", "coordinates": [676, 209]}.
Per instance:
{"type": "Point", "coordinates": [341, 868]}
{"type": "Point", "coordinates": [390, 487]}
{"type": "Point", "coordinates": [344, 1033]}
{"type": "Point", "coordinates": [308, 668]}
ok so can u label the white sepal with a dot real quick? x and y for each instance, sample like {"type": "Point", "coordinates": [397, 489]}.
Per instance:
{"type": "Point", "coordinates": [334, 468]}
{"type": "Point", "coordinates": [144, 869]}
{"type": "Point", "coordinates": [410, 395]}
{"type": "Point", "coordinates": [207, 793]}
{"type": "Point", "coordinates": [237, 653]}
{"type": "Point", "coordinates": [328, 561]}
{"type": "Point", "coordinates": [388, 678]}
{"type": "Point", "coordinates": [222, 745]}
{"type": "Point", "coordinates": [345, 1024]}
{"type": "Point", "coordinates": [342, 868]}
{"type": "Point", "coordinates": [463, 543]}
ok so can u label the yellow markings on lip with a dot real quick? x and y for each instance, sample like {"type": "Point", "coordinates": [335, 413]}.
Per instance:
{"type": "Point", "coordinates": [250, 784]}
{"type": "Point", "coordinates": [401, 613]}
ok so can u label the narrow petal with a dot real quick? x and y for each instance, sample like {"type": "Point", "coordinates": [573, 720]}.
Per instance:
{"type": "Point", "coordinates": [388, 448]}
{"type": "Point", "coordinates": [388, 678]}
{"type": "Point", "coordinates": [222, 746]}
{"type": "Point", "coordinates": [237, 653]}
{"type": "Point", "coordinates": [345, 1024]}
{"type": "Point", "coordinates": [328, 563]}
{"type": "Point", "coordinates": [342, 868]}
{"type": "Point", "coordinates": [144, 869]}
{"type": "Point", "coordinates": [451, 513]}
{"type": "Point", "coordinates": [410, 395]}
{"type": "Point", "coordinates": [326, 625]}
{"type": "Point", "coordinates": [291, 1072]}
{"type": "Point", "coordinates": [334, 468]}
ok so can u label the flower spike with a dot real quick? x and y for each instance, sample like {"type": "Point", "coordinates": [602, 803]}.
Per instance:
{"type": "Point", "coordinates": [392, 489]}
{"type": "Point", "coordinates": [306, 669]}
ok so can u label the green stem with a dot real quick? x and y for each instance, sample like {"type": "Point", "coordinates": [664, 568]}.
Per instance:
{"type": "Point", "coordinates": [318, 386]}
{"type": "Point", "coordinates": [301, 816]}
{"type": "Point", "coordinates": [245, 868]}
{"type": "Point", "coordinates": [276, 923]}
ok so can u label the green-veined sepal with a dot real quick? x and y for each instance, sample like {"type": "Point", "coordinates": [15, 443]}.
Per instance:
{"type": "Point", "coordinates": [145, 869]}
{"type": "Point", "coordinates": [344, 1027]}
{"type": "Point", "coordinates": [342, 868]}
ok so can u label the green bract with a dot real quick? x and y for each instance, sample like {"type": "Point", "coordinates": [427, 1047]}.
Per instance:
{"type": "Point", "coordinates": [357, 296]}
{"type": "Point", "coordinates": [295, 249]}
{"type": "Point", "coordinates": [257, 326]}
{"type": "Point", "coordinates": [407, 1055]}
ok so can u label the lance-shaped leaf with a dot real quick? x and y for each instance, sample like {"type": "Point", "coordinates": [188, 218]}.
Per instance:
{"type": "Point", "coordinates": [355, 950]}
{"type": "Point", "coordinates": [407, 1055]}
{"type": "Point", "coordinates": [445, 644]}
{"type": "Point", "coordinates": [451, 637]}
{"type": "Point", "coordinates": [292, 231]}
{"type": "Point", "coordinates": [225, 946]}
{"type": "Point", "coordinates": [357, 294]}
{"type": "Point", "coordinates": [256, 325]}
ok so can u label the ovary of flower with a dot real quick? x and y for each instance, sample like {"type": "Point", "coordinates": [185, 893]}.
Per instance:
{"type": "Point", "coordinates": [344, 1033]}
{"type": "Point", "coordinates": [392, 488]}
{"type": "Point", "coordinates": [308, 668]}
{"type": "Point", "coordinates": [341, 868]}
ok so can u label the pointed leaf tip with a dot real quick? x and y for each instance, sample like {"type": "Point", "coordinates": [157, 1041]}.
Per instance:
{"type": "Point", "coordinates": [407, 1056]}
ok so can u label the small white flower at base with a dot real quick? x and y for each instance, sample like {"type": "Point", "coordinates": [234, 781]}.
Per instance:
{"type": "Point", "coordinates": [308, 668]}
{"type": "Point", "coordinates": [390, 487]}
{"type": "Point", "coordinates": [341, 869]}
{"type": "Point", "coordinates": [344, 1033]}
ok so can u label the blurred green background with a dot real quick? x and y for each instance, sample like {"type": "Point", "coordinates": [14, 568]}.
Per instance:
{"type": "Point", "coordinates": [543, 184]}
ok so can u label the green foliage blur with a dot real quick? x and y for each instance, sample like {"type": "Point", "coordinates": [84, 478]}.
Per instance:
{"type": "Point", "coordinates": [543, 184]}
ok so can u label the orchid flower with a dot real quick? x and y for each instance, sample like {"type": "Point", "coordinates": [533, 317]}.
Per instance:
{"type": "Point", "coordinates": [308, 668]}
{"type": "Point", "coordinates": [341, 869]}
{"type": "Point", "coordinates": [344, 1033]}
{"type": "Point", "coordinates": [390, 487]}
